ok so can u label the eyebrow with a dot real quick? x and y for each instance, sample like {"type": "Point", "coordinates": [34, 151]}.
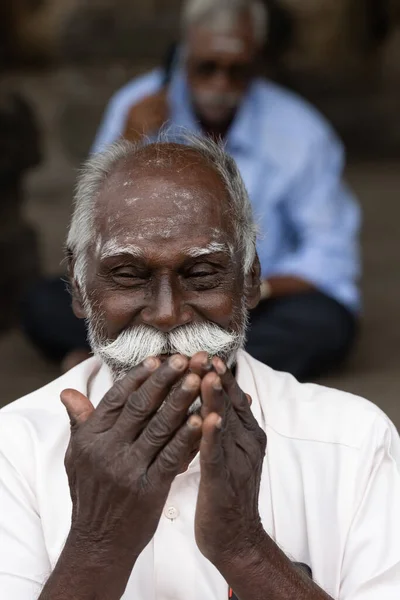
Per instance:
{"type": "Point", "coordinates": [212, 248]}
{"type": "Point", "coordinates": [111, 249]}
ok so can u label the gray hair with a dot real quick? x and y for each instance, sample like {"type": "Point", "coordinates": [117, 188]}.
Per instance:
{"type": "Point", "coordinates": [82, 231]}
{"type": "Point", "coordinates": [217, 13]}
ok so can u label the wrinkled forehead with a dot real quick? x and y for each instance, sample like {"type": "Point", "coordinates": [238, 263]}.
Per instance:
{"type": "Point", "coordinates": [181, 205]}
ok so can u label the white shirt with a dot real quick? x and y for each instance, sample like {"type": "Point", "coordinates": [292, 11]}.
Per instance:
{"type": "Point", "coordinates": [330, 492]}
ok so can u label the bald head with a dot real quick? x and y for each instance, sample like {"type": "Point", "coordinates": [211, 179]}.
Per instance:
{"type": "Point", "coordinates": [185, 166]}
{"type": "Point", "coordinates": [158, 184]}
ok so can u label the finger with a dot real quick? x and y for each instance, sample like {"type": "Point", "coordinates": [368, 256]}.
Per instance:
{"type": "Point", "coordinates": [145, 402]}
{"type": "Point", "coordinates": [169, 419]}
{"type": "Point", "coordinates": [211, 447]}
{"type": "Point", "coordinates": [216, 400]}
{"type": "Point", "coordinates": [200, 364]}
{"type": "Point", "coordinates": [176, 455]}
{"type": "Point", "coordinates": [79, 407]}
{"type": "Point", "coordinates": [111, 406]}
{"type": "Point", "coordinates": [213, 396]}
{"type": "Point", "coordinates": [239, 400]}
{"type": "Point", "coordinates": [249, 399]}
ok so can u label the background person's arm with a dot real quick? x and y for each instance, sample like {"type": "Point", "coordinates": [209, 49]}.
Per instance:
{"type": "Point", "coordinates": [275, 287]}
{"type": "Point", "coordinates": [117, 112]}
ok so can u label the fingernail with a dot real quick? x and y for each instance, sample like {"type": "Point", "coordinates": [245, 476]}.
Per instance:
{"type": "Point", "coordinates": [150, 363]}
{"type": "Point", "coordinates": [177, 362]}
{"type": "Point", "coordinates": [219, 366]}
{"type": "Point", "coordinates": [206, 364]}
{"type": "Point", "coordinates": [218, 424]}
{"type": "Point", "coordinates": [217, 385]}
{"type": "Point", "coordinates": [190, 383]}
{"type": "Point", "coordinates": [195, 422]}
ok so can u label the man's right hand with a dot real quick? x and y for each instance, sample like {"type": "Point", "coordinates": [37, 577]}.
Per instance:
{"type": "Point", "coordinates": [147, 116]}
{"type": "Point", "coordinates": [123, 457]}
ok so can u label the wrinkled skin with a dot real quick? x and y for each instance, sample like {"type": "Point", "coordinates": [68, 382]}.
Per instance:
{"type": "Point", "coordinates": [232, 450]}
{"type": "Point", "coordinates": [124, 454]}
{"type": "Point", "coordinates": [165, 287]}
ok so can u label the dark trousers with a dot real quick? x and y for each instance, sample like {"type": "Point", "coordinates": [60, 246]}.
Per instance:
{"type": "Point", "coordinates": [303, 334]}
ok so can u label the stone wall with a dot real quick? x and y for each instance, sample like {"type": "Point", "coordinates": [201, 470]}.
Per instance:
{"type": "Point", "coordinates": [88, 30]}
{"type": "Point", "coordinates": [76, 53]}
{"type": "Point", "coordinates": [326, 34]}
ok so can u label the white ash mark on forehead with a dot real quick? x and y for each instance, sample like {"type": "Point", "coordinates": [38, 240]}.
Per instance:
{"type": "Point", "coordinates": [114, 220]}
{"type": "Point", "coordinates": [216, 232]}
{"type": "Point", "coordinates": [162, 227]}
{"type": "Point", "coordinates": [131, 201]}
{"type": "Point", "coordinates": [185, 200]}
{"type": "Point", "coordinates": [212, 248]}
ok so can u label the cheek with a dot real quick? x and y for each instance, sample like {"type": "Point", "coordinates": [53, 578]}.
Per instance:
{"type": "Point", "coordinates": [117, 310]}
{"type": "Point", "coordinates": [218, 308]}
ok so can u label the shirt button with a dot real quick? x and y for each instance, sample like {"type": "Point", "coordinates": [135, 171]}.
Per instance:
{"type": "Point", "coordinates": [171, 513]}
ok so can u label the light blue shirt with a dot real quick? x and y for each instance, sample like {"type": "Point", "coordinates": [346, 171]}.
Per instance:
{"type": "Point", "coordinates": [292, 164]}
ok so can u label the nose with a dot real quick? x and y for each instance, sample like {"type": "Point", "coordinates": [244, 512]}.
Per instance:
{"type": "Point", "coordinates": [165, 310]}
{"type": "Point", "coordinates": [221, 82]}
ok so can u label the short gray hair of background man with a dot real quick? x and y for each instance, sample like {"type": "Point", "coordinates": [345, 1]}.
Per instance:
{"type": "Point", "coordinates": [222, 15]}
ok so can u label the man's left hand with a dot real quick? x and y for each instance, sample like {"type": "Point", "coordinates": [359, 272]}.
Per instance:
{"type": "Point", "coordinates": [227, 525]}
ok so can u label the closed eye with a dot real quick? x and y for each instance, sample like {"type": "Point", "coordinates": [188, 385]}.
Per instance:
{"type": "Point", "coordinates": [202, 274]}
{"type": "Point", "coordinates": [128, 277]}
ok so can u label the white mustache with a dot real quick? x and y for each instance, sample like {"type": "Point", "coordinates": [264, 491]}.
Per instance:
{"type": "Point", "coordinates": [227, 100]}
{"type": "Point", "coordinates": [138, 343]}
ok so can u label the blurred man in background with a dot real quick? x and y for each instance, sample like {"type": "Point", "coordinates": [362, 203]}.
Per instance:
{"type": "Point", "coordinates": [292, 164]}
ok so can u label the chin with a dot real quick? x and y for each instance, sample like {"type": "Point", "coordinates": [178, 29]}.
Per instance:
{"type": "Point", "coordinates": [217, 119]}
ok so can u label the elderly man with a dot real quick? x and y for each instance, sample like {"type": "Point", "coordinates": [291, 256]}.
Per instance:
{"type": "Point", "coordinates": [172, 493]}
{"type": "Point", "coordinates": [292, 165]}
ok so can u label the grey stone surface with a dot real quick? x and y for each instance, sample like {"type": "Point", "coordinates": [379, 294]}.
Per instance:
{"type": "Point", "coordinates": [113, 33]}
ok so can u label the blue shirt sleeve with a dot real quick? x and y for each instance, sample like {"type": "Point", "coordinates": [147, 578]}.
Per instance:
{"type": "Point", "coordinates": [325, 218]}
{"type": "Point", "coordinates": [113, 123]}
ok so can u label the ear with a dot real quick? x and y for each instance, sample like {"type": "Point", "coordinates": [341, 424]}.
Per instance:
{"type": "Point", "coordinates": [77, 304]}
{"type": "Point", "coordinates": [77, 297]}
{"type": "Point", "coordinates": [252, 284]}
